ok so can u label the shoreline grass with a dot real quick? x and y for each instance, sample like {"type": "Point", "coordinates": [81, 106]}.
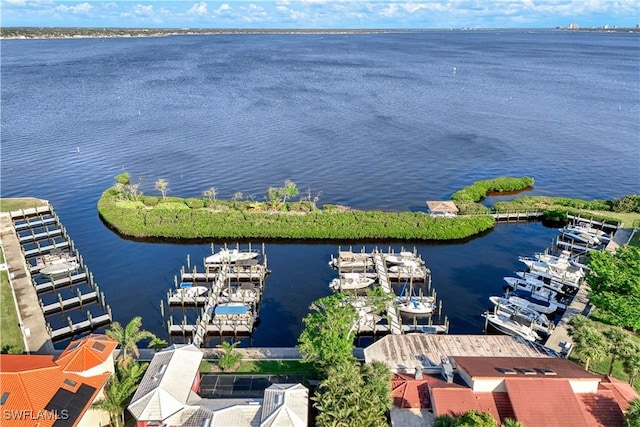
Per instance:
{"type": "Point", "coordinates": [9, 204]}
{"type": "Point", "coordinates": [11, 340]}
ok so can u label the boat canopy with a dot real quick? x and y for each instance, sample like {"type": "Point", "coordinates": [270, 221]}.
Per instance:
{"type": "Point", "coordinates": [229, 309]}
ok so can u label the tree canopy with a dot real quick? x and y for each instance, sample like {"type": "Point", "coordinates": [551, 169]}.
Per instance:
{"type": "Point", "coordinates": [354, 395]}
{"type": "Point", "coordinates": [615, 286]}
{"type": "Point", "coordinates": [327, 339]}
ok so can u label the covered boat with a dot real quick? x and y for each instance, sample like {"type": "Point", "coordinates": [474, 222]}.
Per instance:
{"type": "Point", "coordinates": [230, 256]}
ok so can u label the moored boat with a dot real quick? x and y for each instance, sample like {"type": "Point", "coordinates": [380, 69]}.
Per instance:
{"type": "Point", "coordinates": [348, 281]}
{"type": "Point", "coordinates": [416, 305]}
{"type": "Point", "coordinates": [547, 308]}
{"type": "Point", "coordinates": [552, 283]}
{"type": "Point", "coordinates": [230, 256]}
{"type": "Point", "coordinates": [187, 290]}
{"type": "Point", "coordinates": [60, 268]}
{"type": "Point", "coordinates": [509, 326]}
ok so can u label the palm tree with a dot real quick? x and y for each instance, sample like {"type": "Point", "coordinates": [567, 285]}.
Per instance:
{"type": "Point", "coordinates": [157, 343]}
{"type": "Point", "coordinates": [129, 336]}
{"type": "Point", "coordinates": [229, 357]}
{"type": "Point", "coordinates": [589, 342]}
{"type": "Point", "coordinates": [510, 422]}
{"type": "Point", "coordinates": [632, 417]}
{"type": "Point", "coordinates": [631, 362]}
{"type": "Point", "coordinates": [618, 344]}
{"type": "Point", "coordinates": [119, 389]}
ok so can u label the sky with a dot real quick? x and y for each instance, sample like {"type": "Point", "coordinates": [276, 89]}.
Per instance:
{"type": "Point", "coordinates": [329, 14]}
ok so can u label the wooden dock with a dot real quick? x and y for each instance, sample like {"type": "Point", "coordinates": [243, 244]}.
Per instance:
{"type": "Point", "coordinates": [395, 324]}
{"type": "Point", "coordinates": [62, 282]}
{"type": "Point", "coordinates": [41, 236]}
{"type": "Point", "coordinates": [517, 216]}
{"type": "Point", "coordinates": [33, 237]}
{"type": "Point", "coordinates": [40, 249]}
{"type": "Point", "coordinates": [80, 327]}
{"type": "Point", "coordinates": [66, 304]}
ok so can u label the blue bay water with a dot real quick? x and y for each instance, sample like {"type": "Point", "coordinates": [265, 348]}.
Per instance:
{"type": "Point", "coordinates": [382, 121]}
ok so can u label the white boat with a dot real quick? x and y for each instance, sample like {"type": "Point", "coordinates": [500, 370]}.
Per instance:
{"type": "Point", "coordinates": [564, 287]}
{"type": "Point", "coordinates": [584, 227]}
{"type": "Point", "coordinates": [54, 258]}
{"type": "Point", "coordinates": [348, 281]}
{"type": "Point", "coordinates": [559, 270]}
{"type": "Point", "coordinates": [348, 259]}
{"type": "Point", "coordinates": [190, 291]}
{"type": "Point", "coordinates": [416, 305]}
{"type": "Point", "coordinates": [59, 268]}
{"type": "Point", "coordinates": [230, 256]}
{"type": "Point", "coordinates": [538, 291]}
{"type": "Point", "coordinates": [525, 303]}
{"type": "Point", "coordinates": [579, 234]}
{"type": "Point", "coordinates": [509, 326]}
{"type": "Point", "coordinates": [538, 320]}
{"type": "Point", "coordinates": [406, 259]}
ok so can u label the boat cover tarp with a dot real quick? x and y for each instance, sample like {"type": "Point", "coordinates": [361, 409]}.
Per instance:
{"type": "Point", "coordinates": [231, 309]}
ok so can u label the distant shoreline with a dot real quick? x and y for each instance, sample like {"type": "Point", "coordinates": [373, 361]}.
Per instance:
{"type": "Point", "coordinates": [28, 33]}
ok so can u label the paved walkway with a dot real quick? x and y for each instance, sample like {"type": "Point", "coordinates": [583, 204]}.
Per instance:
{"type": "Point", "coordinates": [254, 353]}
{"type": "Point", "coordinates": [620, 237]}
{"type": "Point", "coordinates": [33, 322]}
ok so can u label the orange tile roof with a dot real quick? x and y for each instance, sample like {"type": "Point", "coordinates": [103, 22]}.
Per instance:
{"type": "Point", "coordinates": [31, 382]}
{"type": "Point", "coordinates": [545, 402]}
{"type": "Point", "coordinates": [86, 353]}
{"type": "Point", "coordinates": [18, 363]}
{"type": "Point", "coordinates": [456, 401]}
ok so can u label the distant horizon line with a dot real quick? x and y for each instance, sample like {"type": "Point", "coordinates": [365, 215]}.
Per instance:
{"type": "Point", "coordinates": [311, 29]}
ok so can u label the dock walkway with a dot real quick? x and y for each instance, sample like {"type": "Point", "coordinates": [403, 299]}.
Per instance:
{"type": "Point", "coordinates": [395, 324]}
{"type": "Point", "coordinates": [559, 340]}
{"type": "Point", "coordinates": [33, 326]}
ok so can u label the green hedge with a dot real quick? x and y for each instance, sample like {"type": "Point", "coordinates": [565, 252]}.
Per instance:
{"type": "Point", "coordinates": [479, 189]}
{"type": "Point", "coordinates": [177, 220]}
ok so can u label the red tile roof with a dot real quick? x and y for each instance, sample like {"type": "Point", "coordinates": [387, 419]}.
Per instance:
{"type": "Point", "coordinates": [407, 392]}
{"type": "Point", "coordinates": [457, 401]}
{"type": "Point", "coordinates": [622, 391]}
{"type": "Point", "coordinates": [601, 409]}
{"type": "Point", "coordinates": [490, 367]}
{"type": "Point", "coordinates": [545, 402]}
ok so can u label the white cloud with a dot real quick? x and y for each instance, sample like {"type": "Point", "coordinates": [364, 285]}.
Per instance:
{"type": "Point", "coordinates": [15, 2]}
{"type": "Point", "coordinates": [223, 8]}
{"type": "Point", "coordinates": [199, 9]}
{"type": "Point", "coordinates": [142, 10]}
{"type": "Point", "coordinates": [81, 9]}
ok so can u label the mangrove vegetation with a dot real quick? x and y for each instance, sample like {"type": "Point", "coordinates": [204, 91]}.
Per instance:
{"type": "Point", "coordinates": [131, 213]}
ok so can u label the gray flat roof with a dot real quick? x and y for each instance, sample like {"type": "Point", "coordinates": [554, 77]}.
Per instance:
{"type": "Point", "coordinates": [402, 353]}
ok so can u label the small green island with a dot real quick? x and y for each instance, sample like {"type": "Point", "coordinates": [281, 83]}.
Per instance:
{"type": "Point", "coordinates": [131, 214]}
